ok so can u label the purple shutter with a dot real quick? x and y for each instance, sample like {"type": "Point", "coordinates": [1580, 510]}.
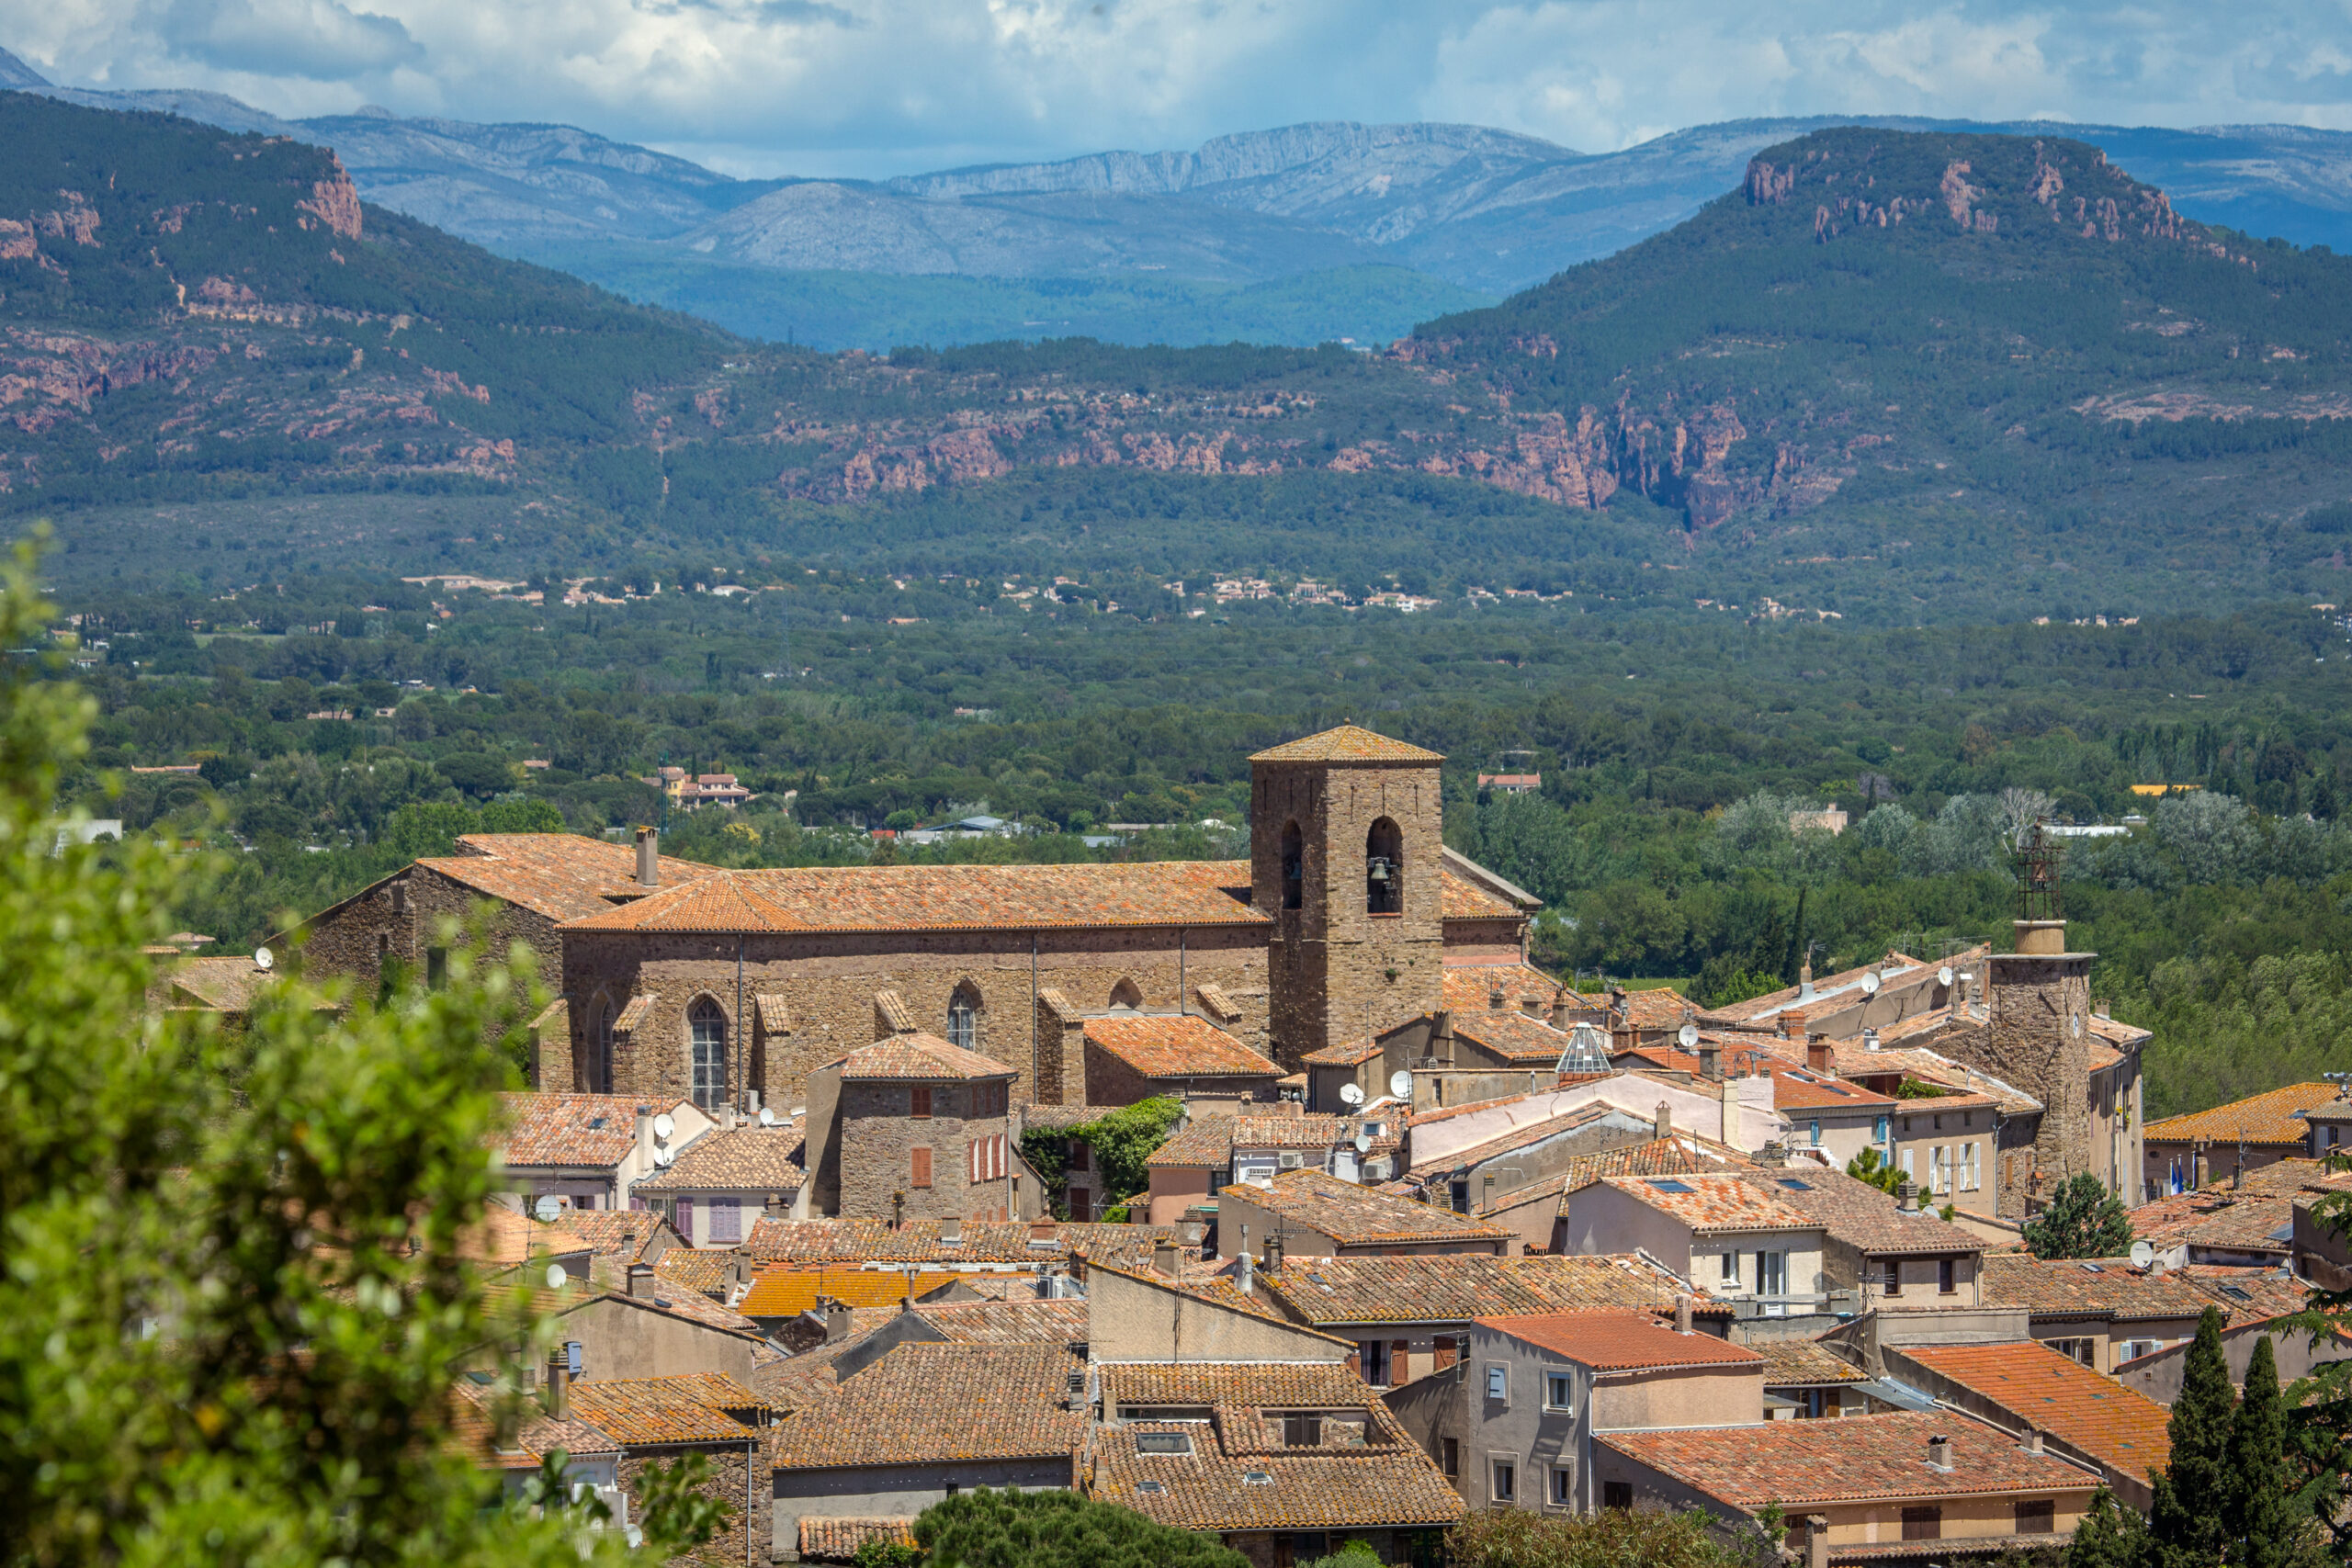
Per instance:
{"type": "Point", "coordinates": [687, 1219]}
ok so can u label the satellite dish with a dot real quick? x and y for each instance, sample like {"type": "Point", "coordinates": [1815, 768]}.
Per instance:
{"type": "Point", "coordinates": [1363, 1143]}
{"type": "Point", "coordinates": [547, 1208]}
{"type": "Point", "coordinates": [663, 1157]}
{"type": "Point", "coordinates": [1400, 1084]}
{"type": "Point", "coordinates": [663, 1126]}
{"type": "Point", "coordinates": [1944, 976]}
{"type": "Point", "coordinates": [2142, 1254]}
{"type": "Point", "coordinates": [767, 1116]}
{"type": "Point", "coordinates": [264, 958]}
{"type": "Point", "coordinates": [557, 1278]}
{"type": "Point", "coordinates": [1687, 1036]}
{"type": "Point", "coordinates": [1352, 1093]}
{"type": "Point", "coordinates": [1870, 983]}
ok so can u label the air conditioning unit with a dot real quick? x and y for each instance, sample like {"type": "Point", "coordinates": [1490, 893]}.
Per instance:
{"type": "Point", "coordinates": [1378, 1170]}
{"type": "Point", "coordinates": [1289, 1158]}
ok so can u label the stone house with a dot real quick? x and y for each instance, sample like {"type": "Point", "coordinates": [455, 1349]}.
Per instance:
{"type": "Point", "coordinates": [648, 1330]}
{"type": "Point", "coordinates": [655, 1421]}
{"type": "Point", "coordinates": [725, 1180]}
{"type": "Point", "coordinates": [1884, 1255]}
{"type": "Point", "coordinates": [910, 1128]}
{"type": "Point", "coordinates": [1132, 1056]}
{"type": "Point", "coordinates": [1735, 1240]}
{"type": "Point", "coordinates": [2023, 1387]}
{"type": "Point", "coordinates": [1513, 1422]}
{"type": "Point", "coordinates": [588, 1151]}
{"type": "Point", "coordinates": [2204, 1148]}
{"type": "Point", "coordinates": [1309, 1213]}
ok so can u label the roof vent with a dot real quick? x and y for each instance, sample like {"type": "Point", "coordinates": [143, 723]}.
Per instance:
{"type": "Point", "coordinates": [2033, 1440]}
{"type": "Point", "coordinates": [1939, 1454]}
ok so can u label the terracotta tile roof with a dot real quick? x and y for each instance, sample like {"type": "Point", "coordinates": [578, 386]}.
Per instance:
{"type": "Point", "coordinates": [2264, 1120]}
{"type": "Point", "coordinates": [2243, 1220]}
{"type": "Point", "coordinates": [2248, 1295]}
{"type": "Point", "coordinates": [774, 1012]}
{"type": "Point", "coordinates": [1656, 1007]}
{"type": "Point", "coordinates": [896, 1013]}
{"type": "Point", "coordinates": [502, 1236]}
{"type": "Point", "coordinates": [837, 1537]}
{"type": "Point", "coordinates": [1713, 1203]}
{"type": "Point", "coordinates": [2107, 1287]}
{"type": "Point", "coordinates": [1357, 1216]}
{"type": "Point", "coordinates": [946, 897]}
{"type": "Point", "coordinates": [1620, 1341]}
{"type": "Point", "coordinates": [1240, 1474]}
{"type": "Point", "coordinates": [1346, 1054]}
{"type": "Point", "coordinates": [702, 1271]}
{"type": "Point", "coordinates": [472, 1434]}
{"type": "Point", "coordinates": [586, 1130]}
{"type": "Point", "coordinates": [1533, 1133]}
{"type": "Point", "coordinates": [1209, 1140]}
{"type": "Point", "coordinates": [1846, 984]}
{"type": "Point", "coordinates": [1216, 1004]}
{"type": "Point", "coordinates": [2118, 1427]}
{"type": "Point", "coordinates": [634, 1012]}
{"type": "Point", "coordinates": [927, 1404]}
{"type": "Point", "coordinates": [1518, 1039]}
{"type": "Point", "coordinates": [560, 875]}
{"type": "Point", "coordinates": [1463, 899]}
{"type": "Point", "coordinates": [748, 1159]}
{"type": "Point", "coordinates": [543, 1434]}
{"type": "Point", "coordinates": [1042, 1118]}
{"type": "Point", "coordinates": [1806, 1464]}
{"type": "Point", "coordinates": [1160, 1045]}
{"type": "Point", "coordinates": [700, 1407]}
{"type": "Point", "coordinates": [1804, 1364]}
{"type": "Point", "coordinates": [1861, 1215]}
{"type": "Point", "coordinates": [1656, 1157]}
{"type": "Point", "coordinates": [873, 1241]}
{"type": "Point", "coordinates": [1347, 743]}
{"type": "Point", "coordinates": [226, 985]}
{"type": "Point", "coordinates": [1470, 987]}
{"type": "Point", "coordinates": [919, 1056]}
{"type": "Point", "coordinates": [1458, 1287]}
{"type": "Point", "coordinates": [2298, 1174]}
{"type": "Point", "coordinates": [1128, 1246]}
{"type": "Point", "coordinates": [788, 1292]}
{"type": "Point", "coordinates": [1033, 1321]}
{"type": "Point", "coordinates": [625, 1234]}
{"type": "Point", "coordinates": [1801, 1088]}
{"type": "Point", "coordinates": [2115, 1031]}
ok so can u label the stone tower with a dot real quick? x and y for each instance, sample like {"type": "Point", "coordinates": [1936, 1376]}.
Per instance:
{"type": "Point", "coordinates": [2037, 1038]}
{"type": "Point", "coordinates": [1345, 852]}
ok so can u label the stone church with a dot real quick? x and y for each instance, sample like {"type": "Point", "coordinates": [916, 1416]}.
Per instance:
{"type": "Point", "coordinates": [1341, 924]}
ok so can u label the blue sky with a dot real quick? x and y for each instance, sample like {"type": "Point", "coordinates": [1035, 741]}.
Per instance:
{"type": "Point", "coordinates": [884, 86]}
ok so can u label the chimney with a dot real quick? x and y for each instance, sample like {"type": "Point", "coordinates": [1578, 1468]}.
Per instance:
{"type": "Point", "coordinates": [1816, 1540]}
{"type": "Point", "coordinates": [1939, 1454]}
{"type": "Point", "coordinates": [1906, 1196]}
{"type": "Point", "coordinates": [2204, 1171]}
{"type": "Point", "coordinates": [2033, 1440]}
{"type": "Point", "coordinates": [1274, 1250]}
{"type": "Point", "coordinates": [645, 1140]}
{"type": "Point", "coordinates": [1711, 1061]}
{"type": "Point", "coordinates": [629, 1245]}
{"type": "Point", "coordinates": [1792, 1021]}
{"type": "Point", "coordinates": [648, 857]}
{"type": "Point", "coordinates": [1163, 1256]}
{"type": "Point", "coordinates": [1804, 981]}
{"type": "Point", "coordinates": [1559, 1013]}
{"type": "Point", "coordinates": [1870, 1038]}
{"type": "Point", "coordinates": [2102, 1008]}
{"type": "Point", "coordinates": [1821, 1056]}
{"type": "Point", "coordinates": [557, 1392]}
{"type": "Point", "coordinates": [1682, 1315]}
{"type": "Point", "coordinates": [1773, 1156]}
{"type": "Point", "coordinates": [641, 1281]}
{"type": "Point", "coordinates": [1731, 1133]}
{"type": "Point", "coordinates": [950, 1231]}
{"type": "Point", "coordinates": [898, 1211]}
{"type": "Point", "coordinates": [1244, 1275]}
{"type": "Point", "coordinates": [1662, 1125]}
{"type": "Point", "coordinates": [1074, 1390]}
{"type": "Point", "coordinates": [1960, 993]}
{"type": "Point", "coordinates": [838, 1318]}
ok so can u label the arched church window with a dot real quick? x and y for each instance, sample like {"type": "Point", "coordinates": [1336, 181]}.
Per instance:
{"type": "Point", "coordinates": [707, 1030]}
{"type": "Point", "coordinates": [964, 1018]}
{"type": "Point", "coordinates": [597, 1072]}
{"type": "Point", "coordinates": [1384, 869]}
{"type": "Point", "coordinates": [1294, 867]}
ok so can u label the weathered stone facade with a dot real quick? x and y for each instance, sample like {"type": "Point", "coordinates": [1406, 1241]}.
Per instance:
{"type": "Point", "coordinates": [739, 1476]}
{"type": "Point", "coordinates": [873, 1159]}
{"type": "Point", "coordinates": [1352, 953]}
{"type": "Point", "coordinates": [400, 921]}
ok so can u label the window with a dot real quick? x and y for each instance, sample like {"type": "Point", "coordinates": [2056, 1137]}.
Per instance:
{"type": "Point", "coordinates": [1947, 1276]}
{"type": "Point", "coordinates": [963, 1020]}
{"type": "Point", "coordinates": [1972, 1172]}
{"type": "Point", "coordinates": [1771, 1273]}
{"type": "Point", "coordinates": [1294, 867]}
{"type": "Point", "coordinates": [1815, 1132]}
{"type": "Point", "coordinates": [1923, 1524]}
{"type": "Point", "coordinates": [1164, 1443]}
{"type": "Point", "coordinates": [918, 1102]}
{"type": "Point", "coordinates": [1372, 1362]}
{"type": "Point", "coordinates": [1894, 1277]}
{"type": "Point", "coordinates": [1564, 1487]}
{"type": "Point", "coordinates": [1616, 1493]}
{"type": "Point", "coordinates": [1448, 1351]}
{"type": "Point", "coordinates": [1940, 1170]}
{"type": "Point", "coordinates": [1082, 1205]}
{"type": "Point", "coordinates": [1905, 1163]}
{"type": "Point", "coordinates": [1081, 1156]}
{"type": "Point", "coordinates": [400, 897]}
{"type": "Point", "coordinates": [597, 1072]}
{"type": "Point", "coordinates": [1302, 1430]}
{"type": "Point", "coordinates": [2036, 1518]}
{"type": "Point", "coordinates": [706, 1027]}
{"type": "Point", "coordinates": [919, 1167]}
{"type": "Point", "coordinates": [726, 1219]}
{"type": "Point", "coordinates": [1449, 1455]}
{"type": "Point", "coordinates": [2083, 1350]}
{"type": "Point", "coordinates": [1384, 869]}
{"type": "Point", "coordinates": [436, 967]}
{"type": "Point", "coordinates": [685, 1220]}
{"type": "Point", "coordinates": [1506, 1480]}
{"type": "Point", "coordinates": [984, 1159]}
{"type": "Point", "coordinates": [1879, 1132]}
{"type": "Point", "coordinates": [1498, 1383]}
{"type": "Point", "coordinates": [1127, 994]}
{"type": "Point", "coordinates": [1559, 1392]}
{"type": "Point", "coordinates": [1731, 1267]}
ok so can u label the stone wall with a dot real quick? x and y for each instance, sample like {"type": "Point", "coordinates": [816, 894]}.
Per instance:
{"type": "Point", "coordinates": [829, 985]}
{"type": "Point", "coordinates": [1113, 1081]}
{"type": "Point", "coordinates": [878, 1137]}
{"type": "Point", "coordinates": [736, 1479]}
{"type": "Point", "coordinates": [1336, 971]}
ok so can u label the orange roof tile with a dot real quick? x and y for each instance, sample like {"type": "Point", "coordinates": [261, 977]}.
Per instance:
{"type": "Point", "coordinates": [1457, 1287]}
{"type": "Point", "coordinates": [1470, 988]}
{"type": "Point", "coordinates": [746, 1160]}
{"type": "Point", "coordinates": [927, 1404]}
{"type": "Point", "coordinates": [1713, 1203]}
{"type": "Point", "coordinates": [2115, 1425]}
{"type": "Point", "coordinates": [1165, 1045]}
{"type": "Point", "coordinates": [920, 1056]}
{"type": "Point", "coordinates": [699, 1408]}
{"type": "Point", "coordinates": [1518, 1039]}
{"type": "Point", "coordinates": [838, 1537]}
{"type": "Point", "coordinates": [1802, 1363]}
{"type": "Point", "coordinates": [788, 1292]}
{"type": "Point", "coordinates": [2265, 1119]}
{"type": "Point", "coordinates": [625, 1234]}
{"type": "Point", "coordinates": [1033, 1321]}
{"type": "Point", "coordinates": [586, 1130]}
{"type": "Point", "coordinates": [1862, 1459]}
{"type": "Point", "coordinates": [1621, 1341]}
{"type": "Point", "coordinates": [560, 875]}
{"type": "Point", "coordinates": [2088, 1287]}
{"type": "Point", "coordinates": [1347, 743]}
{"type": "Point", "coordinates": [1358, 1216]}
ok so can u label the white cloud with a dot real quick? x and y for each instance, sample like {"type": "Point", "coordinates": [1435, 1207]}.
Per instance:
{"type": "Point", "coordinates": [889, 85]}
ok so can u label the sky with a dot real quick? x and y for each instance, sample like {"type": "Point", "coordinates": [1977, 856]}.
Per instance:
{"type": "Point", "coordinates": [875, 87]}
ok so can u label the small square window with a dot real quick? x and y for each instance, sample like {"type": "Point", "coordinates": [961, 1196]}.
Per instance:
{"type": "Point", "coordinates": [1559, 1392]}
{"type": "Point", "coordinates": [1499, 1383]}
{"type": "Point", "coordinates": [1616, 1493]}
{"type": "Point", "coordinates": [1164, 1443]}
{"type": "Point", "coordinates": [1302, 1431]}
{"type": "Point", "coordinates": [1506, 1481]}
{"type": "Point", "coordinates": [1451, 1455]}
{"type": "Point", "coordinates": [1564, 1487]}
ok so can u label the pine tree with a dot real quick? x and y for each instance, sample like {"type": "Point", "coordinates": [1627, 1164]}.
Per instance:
{"type": "Point", "coordinates": [2108, 1537]}
{"type": "Point", "coordinates": [2194, 1491]}
{"type": "Point", "coordinates": [2083, 1220]}
{"type": "Point", "coordinates": [2260, 1519]}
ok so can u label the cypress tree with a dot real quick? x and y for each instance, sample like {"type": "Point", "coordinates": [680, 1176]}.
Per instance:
{"type": "Point", "coordinates": [2108, 1537]}
{"type": "Point", "coordinates": [2259, 1520]}
{"type": "Point", "coordinates": [2193, 1491]}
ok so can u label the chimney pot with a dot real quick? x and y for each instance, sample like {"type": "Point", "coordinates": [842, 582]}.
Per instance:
{"type": "Point", "coordinates": [648, 857]}
{"type": "Point", "coordinates": [1274, 1247]}
{"type": "Point", "coordinates": [558, 1392]}
{"type": "Point", "coordinates": [1682, 1315]}
{"type": "Point", "coordinates": [1906, 1196]}
{"type": "Point", "coordinates": [641, 1281]}
{"type": "Point", "coordinates": [1821, 1056]}
{"type": "Point", "coordinates": [1163, 1256]}
{"type": "Point", "coordinates": [837, 1319]}
{"type": "Point", "coordinates": [1711, 1061]}
{"type": "Point", "coordinates": [1940, 1453]}
{"type": "Point", "coordinates": [2033, 1440]}
{"type": "Point", "coordinates": [1870, 1038]}
{"type": "Point", "coordinates": [1662, 1125]}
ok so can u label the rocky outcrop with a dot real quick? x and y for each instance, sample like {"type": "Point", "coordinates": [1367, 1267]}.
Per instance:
{"type": "Point", "coordinates": [333, 202]}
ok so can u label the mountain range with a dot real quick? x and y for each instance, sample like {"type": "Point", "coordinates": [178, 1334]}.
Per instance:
{"type": "Point", "coordinates": [1303, 234]}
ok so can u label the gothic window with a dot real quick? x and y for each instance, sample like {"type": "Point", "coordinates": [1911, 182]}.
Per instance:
{"type": "Point", "coordinates": [1125, 993]}
{"type": "Point", "coordinates": [964, 1018]}
{"type": "Point", "coordinates": [1384, 869]}
{"type": "Point", "coordinates": [1294, 867]}
{"type": "Point", "coordinates": [706, 1027]}
{"type": "Point", "coordinates": [597, 1070]}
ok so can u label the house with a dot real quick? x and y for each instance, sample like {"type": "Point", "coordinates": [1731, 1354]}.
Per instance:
{"type": "Point", "coordinates": [588, 1151]}
{"type": "Point", "coordinates": [1734, 1112]}
{"type": "Point", "coordinates": [1282, 1463]}
{"type": "Point", "coordinates": [1137, 1055]}
{"type": "Point", "coordinates": [912, 1127]}
{"type": "Point", "coordinates": [1083, 1192]}
{"type": "Point", "coordinates": [1804, 1380]}
{"type": "Point", "coordinates": [2193, 1151]}
{"type": "Point", "coordinates": [1738, 1241]}
{"type": "Point", "coordinates": [646, 1330]}
{"type": "Point", "coordinates": [2255, 1300]}
{"type": "Point", "coordinates": [1890, 1253]}
{"type": "Point", "coordinates": [1511, 784]}
{"type": "Point", "coordinates": [1212, 1149]}
{"type": "Point", "coordinates": [2102, 1312]}
{"type": "Point", "coordinates": [723, 1180]}
{"type": "Point", "coordinates": [1512, 1425]}
{"type": "Point", "coordinates": [511, 1444]}
{"type": "Point", "coordinates": [655, 1421]}
{"type": "Point", "coordinates": [618, 1237]}
{"type": "Point", "coordinates": [1408, 1316]}
{"type": "Point", "coordinates": [926, 1420]}
{"type": "Point", "coordinates": [1897, 1486]}
{"type": "Point", "coordinates": [2023, 1388]}
{"type": "Point", "coordinates": [1543, 1148]}
{"type": "Point", "coordinates": [1303, 1213]}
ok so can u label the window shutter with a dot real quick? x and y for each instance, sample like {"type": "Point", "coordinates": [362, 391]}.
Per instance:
{"type": "Point", "coordinates": [975, 1155]}
{"type": "Point", "coordinates": [920, 1174]}
{"type": "Point", "coordinates": [726, 1219]}
{"type": "Point", "coordinates": [686, 1217]}
{"type": "Point", "coordinates": [918, 1102]}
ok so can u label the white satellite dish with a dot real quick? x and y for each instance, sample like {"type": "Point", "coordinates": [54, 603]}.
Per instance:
{"type": "Point", "coordinates": [664, 1157]}
{"type": "Point", "coordinates": [557, 1278]}
{"type": "Point", "coordinates": [2142, 1254]}
{"type": "Point", "coordinates": [1400, 1084]}
{"type": "Point", "coordinates": [547, 1207]}
{"type": "Point", "coordinates": [1687, 1036]}
{"type": "Point", "coordinates": [1944, 976]}
{"type": "Point", "coordinates": [264, 958]}
{"type": "Point", "coordinates": [1352, 1093]}
{"type": "Point", "coordinates": [663, 1126]}
{"type": "Point", "coordinates": [1870, 983]}
{"type": "Point", "coordinates": [767, 1116]}
{"type": "Point", "coordinates": [1363, 1143]}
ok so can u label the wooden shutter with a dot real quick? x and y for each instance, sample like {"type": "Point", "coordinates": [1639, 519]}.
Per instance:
{"type": "Point", "coordinates": [918, 1102]}
{"type": "Point", "coordinates": [920, 1159]}
{"type": "Point", "coordinates": [1448, 1352]}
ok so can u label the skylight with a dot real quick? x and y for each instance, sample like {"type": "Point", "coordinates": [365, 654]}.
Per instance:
{"type": "Point", "coordinates": [2237, 1293]}
{"type": "Point", "coordinates": [1666, 1185]}
{"type": "Point", "coordinates": [1793, 1185]}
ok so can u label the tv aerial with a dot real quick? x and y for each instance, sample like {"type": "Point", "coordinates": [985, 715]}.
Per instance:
{"type": "Point", "coordinates": [1363, 1142]}
{"type": "Point", "coordinates": [1400, 1084]}
{"type": "Point", "coordinates": [1944, 977]}
{"type": "Point", "coordinates": [263, 959]}
{"type": "Point", "coordinates": [663, 1157]}
{"type": "Point", "coordinates": [2143, 1254]}
{"type": "Point", "coordinates": [1870, 983]}
{"type": "Point", "coordinates": [1351, 1093]}
{"type": "Point", "coordinates": [767, 1116]}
